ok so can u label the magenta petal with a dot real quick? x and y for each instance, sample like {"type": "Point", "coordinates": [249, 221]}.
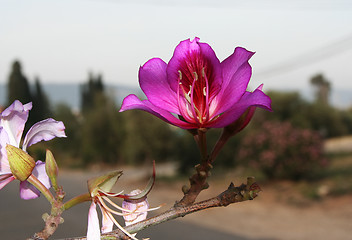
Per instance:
{"type": "Point", "coordinates": [153, 81]}
{"type": "Point", "coordinates": [13, 120]}
{"type": "Point", "coordinates": [235, 89]}
{"type": "Point", "coordinates": [93, 230]}
{"type": "Point", "coordinates": [231, 64]}
{"type": "Point", "coordinates": [256, 99]}
{"type": "Point", "coordinates": [28, 191]}
{"type": "Point", "coordinates": [6, 179]}
{"type": "Point", "coordinates": [44, 130]}
{"type": "Point", "coordinates": [132, 102]}
{"type": "Point", "coordinates": [183, 50]}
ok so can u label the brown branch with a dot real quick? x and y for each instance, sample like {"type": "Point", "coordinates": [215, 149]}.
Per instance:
{"type": "Point", "coordinates": [53, 220]}
{"type": "Point", "coordinates": [198, 182]}
{"type": "Point", "coordinates": [231, 195]}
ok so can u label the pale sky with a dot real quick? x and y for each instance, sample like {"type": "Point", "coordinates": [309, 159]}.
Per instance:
{"type": "Point", "coordinates": [60, 41]}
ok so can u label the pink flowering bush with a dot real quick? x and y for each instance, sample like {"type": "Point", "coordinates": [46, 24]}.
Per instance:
{"type": "Point", "coordinates": [283, 151]}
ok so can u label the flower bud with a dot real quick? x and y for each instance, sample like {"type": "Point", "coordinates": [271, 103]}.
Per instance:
{"type": "Point", "coordinates": [105, 182]}
{"type": "Point", "coordinates": [21, 163]}
{"type": "Point", "coordinates": [51, 168]}
{"type": "Point", "coordinates": [140, 207]}
{"type": "Point", "coordinates": [240, 123]}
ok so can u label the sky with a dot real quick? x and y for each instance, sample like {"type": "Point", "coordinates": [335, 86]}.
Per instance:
{"type": "Point", "coordinates": [61, 41]}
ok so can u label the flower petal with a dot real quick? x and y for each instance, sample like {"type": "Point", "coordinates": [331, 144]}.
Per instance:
{"type": "Point", "coordinates": [107, 224]}
{"type": "Point", "coordinates": [44, 130]}
{"type": "Point", "coordinates": [132, 102]}
{"type": "Point", "coordinates": [153, 81]}
{"type": "Point", "coordinates": [256, 99]}
{"type": "Point", "coordinates": [234, 91]}
{"type": "Point", "coordinates": [27, 190]}
{"type": "Point", "coordinates": [93, 229]}
{"type": "Point", "coordinates": [231, 64]}
{"type": "Point", "coordinates": [13, 120]}
{"type": "Point", "coordinates": [4, 163]}
{"type": "Point", "coordinates": [183, 51]}
{"type": "Point", "coordinates": [6, 179]}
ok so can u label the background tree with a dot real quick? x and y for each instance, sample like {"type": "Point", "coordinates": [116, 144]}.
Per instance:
{"type": "Point", "coordinates": [41, 105]}
{"type": "Point", "coordinates": [322, 88]}
{"type": "Point", "coordinates": [18, 87]}
{"type": "Point", "coordinates": [91, 90]}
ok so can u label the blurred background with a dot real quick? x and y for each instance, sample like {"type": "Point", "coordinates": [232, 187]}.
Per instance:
{"type": "Point", "coordinates": [76, 60]}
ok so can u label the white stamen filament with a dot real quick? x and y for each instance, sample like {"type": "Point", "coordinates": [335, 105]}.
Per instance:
{"type": "Point", "coordinates": [119, 226]}
{"type": "Point", "coordinates": [110, 194]}
{"type": "Point", "coordinates": [115, 205]}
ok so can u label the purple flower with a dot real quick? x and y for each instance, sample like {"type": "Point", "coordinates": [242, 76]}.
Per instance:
{"type": "Point", "coordinates": [196, 90]}
{"type": "Point", "coordinates": [12, 122]}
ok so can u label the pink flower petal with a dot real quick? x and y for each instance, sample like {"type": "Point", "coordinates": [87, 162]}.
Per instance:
{"type": "Point", "coordinates": [44, 130]}
{"type": "Point", "coordinates": [93, 229]}
{"type": "Point", "coordinates": [27, 190]}
{"type": "Point", "coordinates": [4, 163]}
{"type": "Point", "coordinates": [231, 64]}
{"type": "Point", "coordinates": [6, 179]}
{"type": "Point", "coordinates": [107, 224]}
{"type": "Point", "coordinates": [183, 51]}
{"type": "Point", "coordinates": [256, 99]}
{"type": "Point", "coordinates": [132, 102]}
{"type": "Point", "coordinates": [13, 120]}
{"type": "Point", "coordinates": [153, 81]}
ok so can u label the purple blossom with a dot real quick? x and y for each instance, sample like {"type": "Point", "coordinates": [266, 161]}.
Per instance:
{"type": "Point", "coordinates": [196, 90]}
{"type": "Point", "coordinates": [12, 122]}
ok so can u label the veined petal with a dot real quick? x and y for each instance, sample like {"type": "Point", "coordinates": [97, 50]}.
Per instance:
{"type": "Point", "coordinates": [153, 81]}
{"type": "Point", "coordinates": [256, 99]}
{"type": "Point", "coordinates": [27, 190]}
{"type": "Point", "coordinates": [188, 57]}
{"type": "Point", "coordinates": [231, 64]}
{"type": "Point", "coordinates": [44, 130]}
{"type": "Point", "coordinates": [13, 120]}
{"type": "Point", "coordinates": [4, 163]}
{"type": "Point", "coordinates": [6, 179]}
{"type": "Point", "coordinates": [234, 91]}
{"type": "Point", "coordinates": [132, 102]}
{"type": "Point", "coordinates": [93, 229]}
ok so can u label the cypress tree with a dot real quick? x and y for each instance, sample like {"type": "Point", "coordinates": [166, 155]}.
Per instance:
{"type": "Point", "coordinates": [41, 105]}
{"type": "Point", "coordinates": [18, 87]}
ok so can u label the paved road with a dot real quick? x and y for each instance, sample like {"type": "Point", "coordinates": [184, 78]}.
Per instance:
{"type": "Point", "coordinates": [20, 219]}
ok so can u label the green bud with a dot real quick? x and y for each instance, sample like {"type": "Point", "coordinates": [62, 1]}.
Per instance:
{"type": "Point", "coordinates": [51, 168]}
{"type": "Point", "coordinates": [21, 163]}
{"type": "Point", "coordinates": [105, 182]}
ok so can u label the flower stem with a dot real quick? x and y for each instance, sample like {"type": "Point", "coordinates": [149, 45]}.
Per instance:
{"type": "Point", "coordinates": [77, 200]}
{"type": "Point", "coordinates": [201, 139]}
{"type": "Point", "coordinates": [37, 184]}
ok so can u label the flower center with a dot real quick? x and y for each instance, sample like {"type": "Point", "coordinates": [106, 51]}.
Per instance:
{"type": "Point", "coordinates": [195, 81]}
